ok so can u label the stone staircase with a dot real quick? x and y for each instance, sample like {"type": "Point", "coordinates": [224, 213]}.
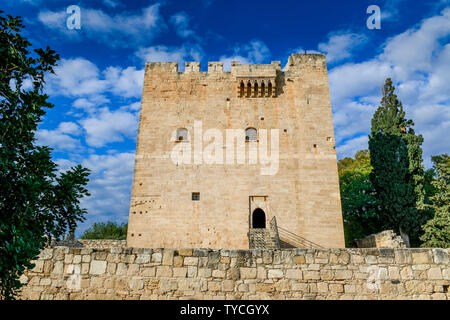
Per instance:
{"type": "Point", "coordinates": [263, 239]}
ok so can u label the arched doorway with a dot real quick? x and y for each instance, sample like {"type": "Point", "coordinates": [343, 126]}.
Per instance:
{"type": "Point", "coordinates": [258, 219]}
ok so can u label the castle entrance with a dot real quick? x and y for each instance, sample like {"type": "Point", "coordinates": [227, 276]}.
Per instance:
{"type": "Point", "coordinates": [259, 219]}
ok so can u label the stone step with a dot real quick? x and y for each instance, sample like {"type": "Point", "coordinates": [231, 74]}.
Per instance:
{"type": "Point", "coordinates": [262, 239]}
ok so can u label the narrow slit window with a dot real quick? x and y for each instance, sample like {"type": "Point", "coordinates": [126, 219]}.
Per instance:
{"type": "Point", "coordinates": [195, 196]}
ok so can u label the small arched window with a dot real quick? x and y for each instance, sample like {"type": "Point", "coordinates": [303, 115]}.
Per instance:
{"type": "Point", "coordinates": [263, 89]}
{"type": "Point", "coordinates": [242, 92]}
{"type": "Point", "coordinates": [255, 94]}
{"type": "Point", "coordinates": [249, 89]}
{"type": "Point", "coordinates": [250, 134]}
{"type": "Point", "coordinates": [182, 134]}
{"type": "Point", "coordinates": [269, 89]}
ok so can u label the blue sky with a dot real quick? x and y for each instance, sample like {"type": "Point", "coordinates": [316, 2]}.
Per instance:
{"type": "Point", "coordinates": [97, 86]}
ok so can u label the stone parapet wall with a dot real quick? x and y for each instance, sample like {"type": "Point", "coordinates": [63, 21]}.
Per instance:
{"type": "Point", "coordinates": [130, 273]}
{"type": "Point", "coordinates": [81, 243]}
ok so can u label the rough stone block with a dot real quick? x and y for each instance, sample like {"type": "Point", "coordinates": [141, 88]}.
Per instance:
{"type": "Point", "coordinates": [190, 261]}
{"type": "Point", "coordinates": [294, 274]}
{"type": "Point", "coordinates": [311, 275]}
{"type": "Point", "coordinates": [97, 267]}
{"type": "Point", "coordinates": [204, 272]}
{"type": "Point", "coordinates": [440, 256]}
{"type": "Point", "coordinates": [163, 271]}
{"type": "Point", "coordinates": [275, 273]}
{"type": "Point", "coordinates": [218, 274]}
{"type": "Point", "coordinates": [157, 257]}
{"type": "Point", "coordinates": [434, 273]}
{"type": "Point", "coordinates": [58, 267]}
{"type": "Point", "coordinates": [178, 261]}
{"type": "Point", "coordinates": [228, 285]}
{"type": "Point", "coordinates": [192, 271]}
{"type": "Point", "coordinates": [143, 258]}
{"type": "Point", "coordinates": [248, 273]}
{"type": "Point", "coordinates": [179, 272]}
{"type": "Point", "coordinates": [136, 283]}
{"type": "Point", "coordinates": [420, 257]}
{"type": "Point", "coordinates": [343, 274]}
{"type": "Point", "coordinates": [168, 257]}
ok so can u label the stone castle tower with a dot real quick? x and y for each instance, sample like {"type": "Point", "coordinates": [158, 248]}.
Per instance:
{"type": "Point", "coordinates": [203, 197]}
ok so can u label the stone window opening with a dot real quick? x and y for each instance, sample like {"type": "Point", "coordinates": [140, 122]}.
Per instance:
{"type": "Point", "coordinates": [269, 89]}
{"type": "Point", "coordinates": [251, 134]}
{"type": "Point", "coordinates": [255, 91]}
{"type": "Point", "coordinates": [195, 196]}
{"type": "Point", "coordinates": [242, 92]}
{"type": "Point", "coordinates": [263, 89]}
{"type": "Point", "coordinates": [182, 134]}
{"type": "Point", "coordinates": [249, 89]}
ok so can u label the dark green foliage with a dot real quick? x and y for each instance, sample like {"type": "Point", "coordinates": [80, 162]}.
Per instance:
{"type": "Point", "coordinates": [359, 204]}
{"type": "Point", "coordinates": [397, 175]}
{"type": "Point", "coordinates": [36, 203]}
{"type": "Point", "coordinates": [437, 229]}
{"type": "Point", "coordinates": [108, 230]}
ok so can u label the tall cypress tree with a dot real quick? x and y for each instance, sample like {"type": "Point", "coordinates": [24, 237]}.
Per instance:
{"type": "Point", "coordinates": [397, 175]}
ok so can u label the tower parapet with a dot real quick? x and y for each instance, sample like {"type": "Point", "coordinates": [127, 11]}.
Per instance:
{"type": "Point", "coordinates": [300, 61]}
{"type": "Point", "coordinates": [215, 66]}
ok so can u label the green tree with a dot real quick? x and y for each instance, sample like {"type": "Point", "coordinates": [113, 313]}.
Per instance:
{"type": "Point", "coordinates": [106, 230]}
{"type": "Point", "coordinates": [397, 175]}
{"type": "Point", "coordinates": [36, 203]}
{"type": "Point", "coordinates": [437, 229]}
{"type": "Point", "coordinates": [359, 204]}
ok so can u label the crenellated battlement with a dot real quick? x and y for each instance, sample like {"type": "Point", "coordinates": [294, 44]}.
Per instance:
{"type": "Point", "coordinates": [247, 71]}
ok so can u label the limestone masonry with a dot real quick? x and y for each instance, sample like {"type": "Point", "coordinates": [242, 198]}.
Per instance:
{"type": "Point", "coordinates": [235, 206]}
{"type": "Point", "coordinates": [131, 273]}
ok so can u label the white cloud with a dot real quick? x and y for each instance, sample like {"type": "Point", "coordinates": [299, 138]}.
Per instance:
{"type": "Point", "coordinates": [81, 78]}
{"type": "Point", "coordinates": [76, 77]}
{"type": "Point", "coordinates": [65, 164]}
{"type": "Point", "coordinates": [110, 187]}
{"type": "Point", "coordinates": [61, 137]}
{"type": "Point", "coordinates": [351, 146]}
{"type": "Point", "coordinates": [88, 103]}
{"type": "Point", "coordinates": [109, 126]}
{"type": "Point", "coordinates": [123, 29]}
{"type": "Point", "coordinates": [418, 62]}
{"type": "Point", "coordinates": [125, 82]}
{"type": "Point", "coordinates": [255, 51]}
{"type": "Point", "coordinates": [111, 3]}
{"type": "Point", "coordinates": [171, 54]}
{"type": "Point", "coordinates": [180, 21]}
{"type": "Point", "coordinates": [341, 45]}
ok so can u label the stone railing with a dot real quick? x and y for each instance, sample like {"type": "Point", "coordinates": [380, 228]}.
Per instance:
{"type": "Point", "coordinates": [128, 273]}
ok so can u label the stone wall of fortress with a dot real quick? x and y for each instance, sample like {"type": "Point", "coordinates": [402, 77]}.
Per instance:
{"type": "Point", "coordinates": [131, 273]}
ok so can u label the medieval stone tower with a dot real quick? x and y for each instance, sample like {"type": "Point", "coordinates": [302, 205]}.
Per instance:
{"type": "Point", "coordinates": [243, 202]}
